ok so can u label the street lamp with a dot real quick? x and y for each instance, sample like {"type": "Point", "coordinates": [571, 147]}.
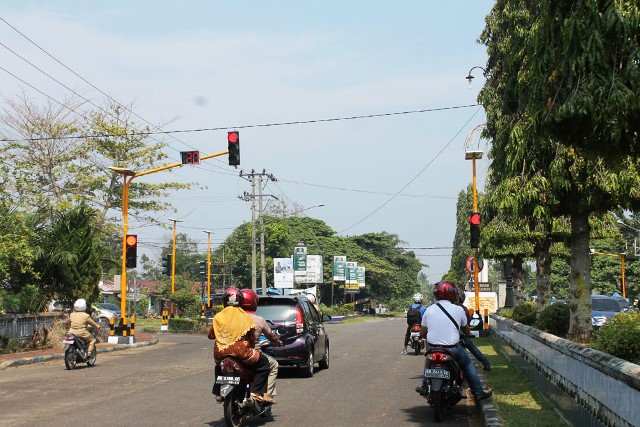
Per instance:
{"type": "Point", "coordinates": [306, 209]}
{"type": "Point", "coordinates": [621, 257]}
{"type": "Point", "coordinates": [173, 261]}
{"type": "Point", "coordinates": [470, 77]}
{"type": "Point", "coordinates": [208, 269]}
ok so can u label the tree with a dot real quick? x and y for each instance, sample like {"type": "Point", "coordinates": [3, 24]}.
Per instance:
{"type": "Point", "coordinates": [68, 257]}
{"type": "Point", "coordinates": [541, 58]}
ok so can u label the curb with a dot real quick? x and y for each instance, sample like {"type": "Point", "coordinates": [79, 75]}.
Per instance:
{"type": "Point", "coordinates": [489, 411]}
{"type": "Point", "coordinates": [40, 359]}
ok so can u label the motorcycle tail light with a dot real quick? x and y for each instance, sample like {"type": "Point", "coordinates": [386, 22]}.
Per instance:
{"type": "Point", "coordinates": [415, 328]}
{"type": "Point", "coordinates": [438, 357]}
{"type": "Point", "coordinates": [299, 321]}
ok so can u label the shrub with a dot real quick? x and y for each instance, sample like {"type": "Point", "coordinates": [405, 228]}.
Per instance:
{"type": "Point", "coordinates": [525, 312]}
{"type": "Point", "coordinates": [338, 310]}
{"type": "Point", "coordinates": [506, 312]}
{"type": "Point", "coordinates": [199, 324]}
{"type": "Point", "coordinates": [554, 319]}
{"type": "Point", "coordinates": [620, 337]}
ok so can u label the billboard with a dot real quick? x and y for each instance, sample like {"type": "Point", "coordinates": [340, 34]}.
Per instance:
{"type": "Point", "coordinates": [339, 268]}
{"type": "Point", "coordinates": [314, 273]}
{"type": "Point", "coordinates": [360, 276]}
{"type": "Point", "coordinates": [300, 260]}
{"type": "Point", "coordinates": [351, 276]}
{"type": "Point", "coordinates": [283, 273]}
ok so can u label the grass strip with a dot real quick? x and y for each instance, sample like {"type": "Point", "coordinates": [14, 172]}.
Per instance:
{"type": "Point", "coordinates": [516, 398]}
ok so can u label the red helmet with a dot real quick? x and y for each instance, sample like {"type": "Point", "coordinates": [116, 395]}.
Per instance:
{"type": "Point", "coordinates": [232, 297]}
{"type": "Point", "coordinates": [250, 301]}
{"type": "Point", "coordinates": [445, 290]}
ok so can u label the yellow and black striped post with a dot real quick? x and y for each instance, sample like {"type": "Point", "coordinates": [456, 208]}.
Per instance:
{"type": "Point", "coordinates": [486, 319]}
{"type": "Point", "coordinates": [112, 325]}
{"type": "Point", "coordinates": [165, 321]}
{"type": "Point", "coordinates": [133, 326]}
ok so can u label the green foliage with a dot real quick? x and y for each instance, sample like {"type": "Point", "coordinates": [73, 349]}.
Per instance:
{"type": "Point", "coordinates": [186, 301]}
{"type": "Point", "coordinates": [620, 337]}
{"type": "Point", "coordinates": [338, 310]}
{"type": "Point", "coordinates": [198, 325]}
{"type": "Point", "coordinates": [554, 319]}
{"type": "Point", "coordinates": [524, 312]}
{"type": "Point", "coordinates": [506, 312]}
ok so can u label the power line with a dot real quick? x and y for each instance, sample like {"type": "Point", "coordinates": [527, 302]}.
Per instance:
{"type": "Point", "coordinates": [299, 122]}
{"type": "Point", "coordinates": [416, 176]}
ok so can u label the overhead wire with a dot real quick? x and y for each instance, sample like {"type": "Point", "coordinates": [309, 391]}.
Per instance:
{"type": "Point", "coordinates": [416, 176]}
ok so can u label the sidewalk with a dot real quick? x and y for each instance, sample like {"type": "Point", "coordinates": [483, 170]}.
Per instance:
{"type": "Point", "coordinates": [38, 356]}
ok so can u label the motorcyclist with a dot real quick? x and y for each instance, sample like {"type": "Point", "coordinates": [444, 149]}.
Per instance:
{"type": "Point", "coordinates": [466, 337]}
{"type": "Point", "coordinates": [443, 331]}
{"type": "Point", "coordinates": [417, 303]}
{"type": "Point", "coordinates": [234, 332]}
{"type": "Point", "coordinates": [79, 320]}
{"type": "Point", "coordinates": [250, 304]}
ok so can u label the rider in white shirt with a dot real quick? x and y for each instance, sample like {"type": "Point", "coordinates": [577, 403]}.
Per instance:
{"type": "Point", "coordinates": [440, 331]}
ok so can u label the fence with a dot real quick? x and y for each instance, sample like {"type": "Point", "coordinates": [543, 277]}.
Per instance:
{"type": "Point", "coordinates": [589, 387]}
{"type": "Point", "coordinates": [23, 326]}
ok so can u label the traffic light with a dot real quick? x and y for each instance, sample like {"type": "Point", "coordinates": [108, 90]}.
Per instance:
{"type": "Point", "coordinates": [132, 250]}
{"type": "Point", "coordinates": [203, 270]}
{"type": "Point", "coordinates": [474, 228]}
{"type": "Point", "coordinates": [233, 138]}
{"type": "Point", "coordinates": [166, 265]}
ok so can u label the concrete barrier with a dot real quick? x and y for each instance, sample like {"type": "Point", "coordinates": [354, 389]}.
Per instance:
{"type": "Point", "coordinates": [588, 387]}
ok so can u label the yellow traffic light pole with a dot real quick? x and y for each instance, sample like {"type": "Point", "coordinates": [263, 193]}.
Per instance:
{"type": "Point", "coordinates": [129, 175]}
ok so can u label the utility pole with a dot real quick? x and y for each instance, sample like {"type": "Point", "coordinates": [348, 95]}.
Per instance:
{"type": "Point", "coordinates": [252, 196]}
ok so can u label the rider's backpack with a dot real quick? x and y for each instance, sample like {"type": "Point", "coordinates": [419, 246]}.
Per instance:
{"type": "Point", "coordinates": [413, 315]}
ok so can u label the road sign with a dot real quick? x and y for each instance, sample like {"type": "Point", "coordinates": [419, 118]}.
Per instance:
{"type": "Point", "coordinates": [469, 265]}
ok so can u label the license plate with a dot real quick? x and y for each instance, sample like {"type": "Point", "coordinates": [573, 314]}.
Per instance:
{"type": "Point", "coordinates": [228, 380]}
{"type": "Point", "coordinates": [437, 373]}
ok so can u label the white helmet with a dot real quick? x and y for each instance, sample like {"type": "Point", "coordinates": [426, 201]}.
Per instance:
{"type": "Point", "coordinates": [80, 305]}
{"type": "Point", "coordinates": [311, 298]}
{"type": "Point", "coordinates": [417, 298]}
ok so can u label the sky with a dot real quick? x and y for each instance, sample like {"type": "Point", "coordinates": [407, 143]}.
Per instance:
{"type": "Point", "coordinates": [361, 106]}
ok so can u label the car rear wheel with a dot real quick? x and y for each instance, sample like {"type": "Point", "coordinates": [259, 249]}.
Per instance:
{"type": "Point", "coordinates": [324, 363]}
{"type": "Point", "coordinates": [307, 370]}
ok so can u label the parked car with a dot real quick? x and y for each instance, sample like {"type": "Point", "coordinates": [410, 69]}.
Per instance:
{"type": "Point", "coordinates": [105, 311]}
{"type": "Point", "coordinates": [301, 329]}
{"type": "Point", "coordinates": [603, 307]}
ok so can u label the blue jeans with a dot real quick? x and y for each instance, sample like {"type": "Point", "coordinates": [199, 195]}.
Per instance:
{"type": "Point", "coordinates": [471, 346]}
{"type": "Point", "coordinates": [471, 375]}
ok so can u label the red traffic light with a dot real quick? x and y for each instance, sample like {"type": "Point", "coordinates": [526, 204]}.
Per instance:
{"type": "Point", "coordinates": [132, 240]}
{"type": "Point", "coordinates": [474, 218]}
{"type": "Point", "coordinates": [233, 137]}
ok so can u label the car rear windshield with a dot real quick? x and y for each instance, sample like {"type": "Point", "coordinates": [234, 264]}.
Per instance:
{"type": "Point", "coordinates": [109, 306]}
{"type": "Point", "coordinates": [605, 305]}
{"type": "Point", "coordinates": [277, 313]}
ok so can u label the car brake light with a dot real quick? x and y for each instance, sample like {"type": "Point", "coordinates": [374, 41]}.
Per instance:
{"type": "Point", "coordinates": [299, 321]}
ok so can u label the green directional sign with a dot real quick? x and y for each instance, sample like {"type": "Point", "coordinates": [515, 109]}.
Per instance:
{"type": "Point", "coordinates": [339, 268]}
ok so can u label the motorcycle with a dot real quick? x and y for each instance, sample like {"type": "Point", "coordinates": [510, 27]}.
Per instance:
{"type": "Point", "coordinates": [442, 382]}
{"type": "Point", "coordinates": [415, 341]}
{"type": "Point", "coordinates": [75, 351]}
{"type": "Point", "coordinates": [235, 387]}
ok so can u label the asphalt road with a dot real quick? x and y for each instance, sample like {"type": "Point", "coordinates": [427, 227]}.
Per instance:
{"type": "Point", "coordinates": [368, 383]}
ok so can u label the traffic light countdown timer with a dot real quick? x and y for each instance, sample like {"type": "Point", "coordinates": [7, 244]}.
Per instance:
{"type": "Point", "coordinates": [132, 250]}
{"type": "Point", "coordinates": [233, 139]}
{"type": "Point", "coordinates": [474, 229]}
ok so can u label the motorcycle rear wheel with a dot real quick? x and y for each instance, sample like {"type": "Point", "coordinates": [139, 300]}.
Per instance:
{"type": "Point", "coordinates": [437, 398]}
{"type": "Point", "coordinates": [70, 358]}
{"type": "Point", "coordinates": [233, 414]}
{"type": "Point", "coordinates": [92, 360]}
{"type": "Point", "coordinates": [416, 348]}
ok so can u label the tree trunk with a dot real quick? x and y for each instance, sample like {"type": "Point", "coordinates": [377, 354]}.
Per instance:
{"type": "Point", "coordinates": [543, 272]}
{"type": "Point", "coordinates": [518, 280]}
{"type": "Point", "coordinates": [580, 278]}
